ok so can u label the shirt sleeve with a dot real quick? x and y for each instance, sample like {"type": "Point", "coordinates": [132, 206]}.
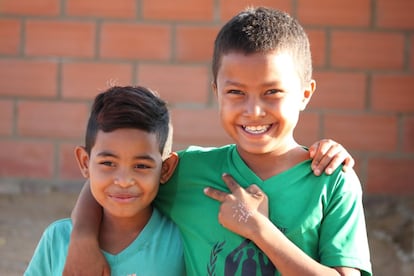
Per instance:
{"type": "Point", "coordinates": [343, 236]}
{"type": "Point", "coordinates": [41, 264]}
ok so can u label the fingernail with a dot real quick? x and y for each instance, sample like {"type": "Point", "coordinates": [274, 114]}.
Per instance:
{"type": "Point", "coordinates": [328, 171]}
{"type": "Point", "coordinates": [317, 172]}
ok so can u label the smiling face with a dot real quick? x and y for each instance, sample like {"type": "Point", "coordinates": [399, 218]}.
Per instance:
{"type": "Point", "coordinates": [124, 169]}
{"type": "Point", "coordinates": [260, 96]}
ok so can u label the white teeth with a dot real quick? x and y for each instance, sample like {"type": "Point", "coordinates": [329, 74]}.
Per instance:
{"type": "Point", "coordinates": [256, 129]}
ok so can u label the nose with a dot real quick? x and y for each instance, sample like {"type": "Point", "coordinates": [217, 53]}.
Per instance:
{"type": "Point", "coordinates": [254, 107]}
{"type": "Point", "coordinates": [124, 179]}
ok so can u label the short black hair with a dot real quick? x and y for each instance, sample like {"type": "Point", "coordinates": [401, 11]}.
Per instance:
{"type": "Point", "coordinates": [261, 29]}
{"type": "Point", "coordinates": [130, 107]}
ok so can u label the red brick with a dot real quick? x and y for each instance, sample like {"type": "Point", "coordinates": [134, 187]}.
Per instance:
{"type": "Point", "coordinates": [395, 14]}
{"type": "Point", "coordinates": [175, 85]}
{"type": "Point", "coordinates": [358, 168]}
{"type": "Point", "coordinates": [135, 41]}
{"type": "Point", "coordinates": [411, 51]}
{"type": "Point", "coordinates": [390, 176]}
{"type": "Point", "coordinates": [345, 91]}
{"type": "Point", "coordinates": [26, 159]}
{"type": "Point", "coordinates": [30, 7]}
{"type": "Point", "coordinates": [393, 93]}
{"type": "Point", "coordinates": [335, 13]}
{"type": "Point", "coordinates": [367, 50]}
{"type": "Point", "coordinates": [60, 38]}
{"type": "Point", "coordinates": [370, 133]}
{"type": "Point", "coordinates": [10, 36]}
{"type": "Point", "coordinates": [6, 117]}
{"type": "Point", "coordinates": [68, 167]}
{"type": "Point", "coordinates": [231, 8]}
{"type": "Point", "coordinates": [179, 10]}
{"type": "Point", "coordinates": [28, 78]}
{"type": "Point", "coordinates": [83, 80]}
{"type": "Point", "coordinates": [307, 130]}
{"type": "Point", "coordinates": [198, 127]}
{"type": "Point", "coordinates": [195, 43]}
{"type": "Point", "coordinates": [317, 39]}
{"type": "Point", "coordinates": [51, 119]}
{"type": "Point", "coordinates": [102, 8]}
{"type": "Point", "coordinates": [408, 134]}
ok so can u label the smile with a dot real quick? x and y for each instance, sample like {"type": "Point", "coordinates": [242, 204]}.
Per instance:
{"type": "Point", "coordinates": [123, 197]}
{"type": "Point", "coordinates": [256, 129]}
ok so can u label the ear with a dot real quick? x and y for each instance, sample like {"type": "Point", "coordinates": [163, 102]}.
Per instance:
{"type": "Point", "coordinates": [82, 157]}
{"type": "Point", "coordinates": [307, 94]}
{"type": "Point", "coordinates": [214, 88]}
{"type": "Point", "coordinates": [168, 167]}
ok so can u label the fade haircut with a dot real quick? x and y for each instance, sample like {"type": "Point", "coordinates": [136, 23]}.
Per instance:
{"type": "Point", "coordinates": [261, 30]}
{"type": "Point", "coordinates": [130, 107]}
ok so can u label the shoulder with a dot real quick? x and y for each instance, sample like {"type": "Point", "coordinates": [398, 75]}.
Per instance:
{"type": "Point", "coordinates": [163, 223]}
{"type": "Point", "coordinates": [347, 181]}
{"type": "Point", "coordinates": [60, 225]}
{"type": "Point", "coordinates": [165, 230]}
{"type": "Point", "coordinates": [59, 229]}
{"type": "Point", "coordinates": [342, 190]}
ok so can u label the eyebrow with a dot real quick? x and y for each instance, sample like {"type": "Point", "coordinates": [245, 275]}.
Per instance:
{"type": "Point", "coordinates": [235, 83]}
{"type": "Point", "coordinates": [266, 84]}
{"type": "Point", "coordinates": [110, 154]}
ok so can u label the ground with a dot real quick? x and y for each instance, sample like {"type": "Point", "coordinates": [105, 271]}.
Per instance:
{"type": "Point", "coordinates": [390, 223]}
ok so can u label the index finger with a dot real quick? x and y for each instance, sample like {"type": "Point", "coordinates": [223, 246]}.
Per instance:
{"type": "Point", "coordinates": [215, 194]}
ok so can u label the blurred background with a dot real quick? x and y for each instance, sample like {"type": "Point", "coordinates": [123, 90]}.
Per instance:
{"type": "Point", "coordinates": [56, 55]}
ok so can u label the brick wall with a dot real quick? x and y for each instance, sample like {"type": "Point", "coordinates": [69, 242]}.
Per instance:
{"type": "Point", "coordinates": [55, 55]}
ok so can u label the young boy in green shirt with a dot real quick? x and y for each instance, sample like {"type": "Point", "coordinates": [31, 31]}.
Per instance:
{"type": "Point", "coordinates": [305, 225]}
{"type": "Point", "coordinates": [127, 154]}
{"type": "Point", "coordinates": [290, 222]}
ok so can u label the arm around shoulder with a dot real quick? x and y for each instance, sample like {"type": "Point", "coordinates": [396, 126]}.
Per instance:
{"type": "Point", "coordinates": [84, 255]}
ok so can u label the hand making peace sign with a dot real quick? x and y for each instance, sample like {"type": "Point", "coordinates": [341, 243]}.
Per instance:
{"type": "Point", "coordinates": [241, 208]}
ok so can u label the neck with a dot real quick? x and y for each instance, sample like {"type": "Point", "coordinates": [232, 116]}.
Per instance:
{"type": "Point", "coordinates": [117, 233]}
{"type": "Point", "coordinates": [272, 163]}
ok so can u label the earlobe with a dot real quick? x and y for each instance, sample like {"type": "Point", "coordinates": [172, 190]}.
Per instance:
{"type": "Point", "coordinates": [307, 94]}
{"type": "Point", "coordinates": [82, 159]}
{"type": "Point", "coordinates": [168, 167]}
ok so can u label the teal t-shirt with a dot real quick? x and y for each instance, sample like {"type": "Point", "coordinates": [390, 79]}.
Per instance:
{"type": "Point", "coordinates": [156, 251]}
{"type": "Point", "coordinates": [321, 215]}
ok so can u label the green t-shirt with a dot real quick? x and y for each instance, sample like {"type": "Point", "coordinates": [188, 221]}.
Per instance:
{"type": "Point", "coordinates": [322, 215]}
{"type": "Point", "coordinates": [156, 251]}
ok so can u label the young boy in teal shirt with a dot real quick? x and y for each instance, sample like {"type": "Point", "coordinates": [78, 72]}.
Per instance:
{"type": "Point", "coordinates": [127, 154]}
{"type": "Point", "coordinates": [291, 222]}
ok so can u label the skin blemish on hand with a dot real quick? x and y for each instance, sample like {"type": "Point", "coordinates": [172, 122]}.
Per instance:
{"type": "Point", "coordinates": [241, 212]}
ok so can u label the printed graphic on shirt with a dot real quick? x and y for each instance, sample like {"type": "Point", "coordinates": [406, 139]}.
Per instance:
{"type": "Point", "coordinates": [246, 259]}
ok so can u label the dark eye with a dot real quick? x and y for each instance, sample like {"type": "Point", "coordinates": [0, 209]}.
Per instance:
{"type": "Point", "coordinates": [141, 166]}
{"type": "Point", "coordinates": [235, 92]}
{"type": "Point", "coordinates": [273, 91]}
{"type": "Point", "coordinates": [107, 163]}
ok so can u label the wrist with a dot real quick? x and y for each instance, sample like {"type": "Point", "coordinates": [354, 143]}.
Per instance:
{"type": "Point", "coordinates": [83, 235]}
{"type": "Point", "coordinates": [257, 223]}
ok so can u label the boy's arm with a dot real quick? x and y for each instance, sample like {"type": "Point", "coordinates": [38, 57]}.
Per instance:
{"type": "Point", "coordinates": [328, 155]}
{"type": "Point", "coordinates": [245, 212]}
{"type": "Point", "coordinates": [286, 256]}
{"type": "Point", "coordinates": [84, 255]}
